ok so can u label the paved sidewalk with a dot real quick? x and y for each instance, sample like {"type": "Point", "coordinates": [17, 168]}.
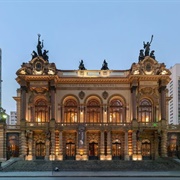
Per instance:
{"type": "Point", "coordinates": [91, 174]}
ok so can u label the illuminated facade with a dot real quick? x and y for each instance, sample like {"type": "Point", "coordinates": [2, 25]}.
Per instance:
{"type": "Point", "coordinates": [90, 114]}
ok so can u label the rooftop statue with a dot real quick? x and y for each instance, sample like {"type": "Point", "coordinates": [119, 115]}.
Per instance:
{"type": "Point", "coordinates": [39, 50]}
{"type": "Point", "coordinates": [34, 54]}
{"type": "Point", "coordinates": [147, 46]}
{"type": "Point", "coordinates": [39, 46]}
{"type": "Point", "coordinates": [152, 54]}
{"type": "Point", "coordinates": [45, 56]}
{"type": "Point", "coordinates": [141, 55]}
{"type": "Point", "coordinates": [81, 65]}
{"type": "Point", "coordinates": [104, 65]}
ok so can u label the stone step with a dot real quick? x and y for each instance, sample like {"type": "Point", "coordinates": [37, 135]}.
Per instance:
{"type": "Point", "coordinates": [95, 165]}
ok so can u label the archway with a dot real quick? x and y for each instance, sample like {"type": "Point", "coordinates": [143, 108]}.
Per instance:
{"type": "Point", "coordinates": [93, 151]}
{"type": "Point", "coordinates": [116, 150]}
{"type": "Point", "coordinates": [146, 149]}
{"type": "Point", "coordinates": [40, 150]}
{"type": "Point", "coordinates": [70, 151]}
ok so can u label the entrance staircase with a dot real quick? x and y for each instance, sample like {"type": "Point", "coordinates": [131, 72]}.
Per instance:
{"type": "Point", "coordinates": [162, 164]}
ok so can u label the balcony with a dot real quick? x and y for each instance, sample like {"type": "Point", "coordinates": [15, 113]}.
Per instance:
{"type": "Point", "coordinates": [151, 125]}
{"type": "Point", "coordinates": [94, 125]}
{"type": "Point", "coordinates": [13, 127]}
{"type": "Point", "coordinates": [37, 124]}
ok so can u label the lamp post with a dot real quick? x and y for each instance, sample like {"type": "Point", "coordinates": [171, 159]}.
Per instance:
{"type": "Point", "coordinates": [3, 115]}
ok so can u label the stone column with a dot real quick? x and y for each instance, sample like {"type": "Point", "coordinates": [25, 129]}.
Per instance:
{"type": "Point", "coordinates": [30, 145]}
{"type": "Point", "coordinates": [51, 137]}
{"type": "Point", "coordinates": [102, 145]}
{"type": "Point", "coordinates": [2, 141]}
{"type": "Point", "coordinates": [23, 102]}
{"type": "Point", "coordinates": [126, 153]}
{"type": "Point", "coordinates": [134, 144]}
{"type": "Point", "coordinates": [52, 90]}
{"type": "Point", "coordinates": [134, 103]}
{"type": "Point", "coordinates": [47, 144]}
{"type": "Point", "coordinates": [60, 156]}
{"type": "Point", "coordinates": [162, 90]}
{"type": "Point", "coordinates": [109, 144]}
{"type": "Point", "coordinates": [23, 145]}
{"type": "Point", "coordinates": [32, 114]}
{"type": "Point", "coordinates": [52, 155]}
{"type": "Point", "coordinates": [156, 145]}
{"type": "Point", "coordinates": [164, 143]}
{"type": "Point", "coordinates": [34, 148]}
{"type": "Point", "coordinates": [124, 114]}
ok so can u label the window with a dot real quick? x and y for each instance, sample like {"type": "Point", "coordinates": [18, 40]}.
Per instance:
{"type": "Point", "coordinates": [145, 111]}
{"type": "Point", "coordinates": [70, 111]}
{"type": "Point", "coordinates": [116, 111]}
{"type": "Point", "coordinates": [93, 111]}
{"type": "Point", "coordinates": [41, 111]}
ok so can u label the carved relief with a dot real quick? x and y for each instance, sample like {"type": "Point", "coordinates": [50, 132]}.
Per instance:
{"type": "Point", "coordinates": [93, 137]}
{"type": "Point", "coordinates": [81, 95]}
{"type": "Point", "coordinates": [37, 66]}
{"type": "Point", "coordinates": [147, 90]}
{"type": "Point", "coordinates": [35, 95]}
{"type": "Point", "coordinates": [40, 137]}
{"type": "Point", "coordinates": [116, 137]}
{"type": "Point", "coordinates": [105, 95]}
{"type": "Point", "coordinates": [70, 137]}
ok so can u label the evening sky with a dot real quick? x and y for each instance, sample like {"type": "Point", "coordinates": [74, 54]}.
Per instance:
{"type": "Point", "coordinates": [92, 30]}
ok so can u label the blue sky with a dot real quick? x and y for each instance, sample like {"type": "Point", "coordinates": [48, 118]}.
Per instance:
{"type": "Point", "coordinates": [90, 30]}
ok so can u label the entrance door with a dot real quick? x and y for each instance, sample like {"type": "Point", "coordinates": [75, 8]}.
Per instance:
{"type": "Point", "coordinates": [70, 151]}
{"type": "Point", "coordinates": [93, 151]}
{"type": "Point", "coordinates": [40, 150]}
{"type": "Point", "coordinates": [116, 150]}
{"type": "Point", "coordinates": [12, 145]}
{"type": "Point", "coordinates": [146, 149]}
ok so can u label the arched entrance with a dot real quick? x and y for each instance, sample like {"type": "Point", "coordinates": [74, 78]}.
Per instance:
{"type": "Point", "coordinates": [93, 151]}
{"type": "Point", "coordinates": [70, 151]}
{"type": "Point", "coordinates": [146, 149]}
{"type": "Point", "coordinates": [12, 145]}
{"type": "Point", "coordinates": [40, 150]}
{"type": "Point", "coordinates": [173, 148]}
{"type": "Point", "coordinates": [116, 150]}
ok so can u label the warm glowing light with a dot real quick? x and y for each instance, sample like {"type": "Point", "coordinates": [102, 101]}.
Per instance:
{"type": "Point", "coordinates": [81, 152]}
{"type": "Point", "coordinates": [147, 119]}
{"type": "Point", "coordinates": [39, 120]}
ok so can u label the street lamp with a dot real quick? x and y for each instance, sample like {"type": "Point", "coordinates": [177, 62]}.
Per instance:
{"type": "Point", "coordinates": [3, 115]}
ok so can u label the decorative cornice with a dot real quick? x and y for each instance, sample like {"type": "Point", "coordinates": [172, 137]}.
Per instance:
{"type": "Point", "coordinates": [88, 80]}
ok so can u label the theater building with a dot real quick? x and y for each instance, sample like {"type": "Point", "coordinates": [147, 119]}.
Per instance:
{"type": "Point", "coordinates": [90, 114]}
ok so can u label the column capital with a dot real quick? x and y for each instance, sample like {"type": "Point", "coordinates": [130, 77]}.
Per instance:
{"type": "Point", "coordinates": [24, 88]}
{"type": "Point", "coordinates": [162, 88]}
{"type": "Point", "coordinates": [53, 88]}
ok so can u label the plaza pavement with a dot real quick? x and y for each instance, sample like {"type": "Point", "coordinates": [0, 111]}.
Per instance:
{"type": "Point", "coordinates": [91, 174]}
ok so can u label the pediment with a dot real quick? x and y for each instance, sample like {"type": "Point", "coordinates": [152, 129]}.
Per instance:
{"type": "Point", "coordinates": [149, 66]}
{"type": "Point", "coordinates": [37, 66]}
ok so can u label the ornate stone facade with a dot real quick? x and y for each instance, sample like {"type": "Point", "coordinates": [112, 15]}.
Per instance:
{"type": "Point", "coordinates": [91, 114]}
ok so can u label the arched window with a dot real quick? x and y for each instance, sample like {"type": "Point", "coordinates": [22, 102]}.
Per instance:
{"type": "Point", "coordinates": [116, 111]}
{"type": "Point", "coordinates": [70, 111]}
{"type": "Point", "coordinates": [93, 111]}
{"type": "Point", "coordinates": [41, 111]}
{"type": "Point", "coordinates": [145, 111]}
